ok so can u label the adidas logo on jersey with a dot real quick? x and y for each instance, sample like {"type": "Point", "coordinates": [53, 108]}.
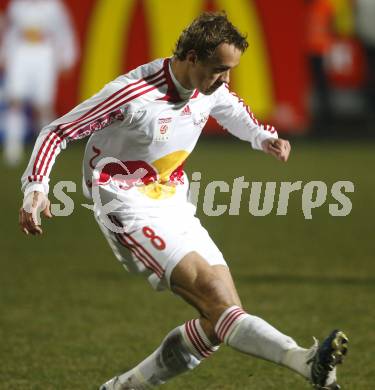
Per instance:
{"type": "Point", "coordinates": [186, 111]}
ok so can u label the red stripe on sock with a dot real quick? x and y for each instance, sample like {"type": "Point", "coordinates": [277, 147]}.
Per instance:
{"type": "Point", "coordinates": [225, 330]}
{"type": "Point", "coordinates": [194, 340]}
{"type": "Point", "coordinates": [225, 320]}
{"type": "Point", "coordinates": [208, 348]}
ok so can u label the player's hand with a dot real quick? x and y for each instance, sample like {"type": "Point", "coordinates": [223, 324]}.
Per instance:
{"type": "Point", "coordinates": [279, 148]}
{"type": "Point", "coordinates": [34, 203]}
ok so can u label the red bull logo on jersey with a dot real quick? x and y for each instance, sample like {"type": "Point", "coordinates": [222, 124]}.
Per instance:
{"type": "Point", "coordinates": [127, 174]}
{"type": "Point", "coordinates": [156, 180]}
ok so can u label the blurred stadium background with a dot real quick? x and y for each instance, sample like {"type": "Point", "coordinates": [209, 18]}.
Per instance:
{"type": "Point", "coordinates": [70, 317]}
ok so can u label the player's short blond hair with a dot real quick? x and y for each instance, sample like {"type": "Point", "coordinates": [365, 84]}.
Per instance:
{"type": "Point", "coordinates": [205, 33]}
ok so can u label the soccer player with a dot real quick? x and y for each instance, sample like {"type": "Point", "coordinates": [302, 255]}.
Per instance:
{"type": "Point", "coordinates": [38, 44]}
{"type": "Point", "coordinates": [143, 126]}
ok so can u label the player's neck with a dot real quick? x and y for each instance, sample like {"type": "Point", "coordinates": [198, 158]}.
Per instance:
{"type": "Point", "coordinates": [180, 72]}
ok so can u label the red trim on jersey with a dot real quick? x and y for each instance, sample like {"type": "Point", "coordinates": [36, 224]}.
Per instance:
{"type": "Point", "coordinates": [195, 94]}
{"type": "Point", "coordinates": [125, 92]}
{"type": "Point", "coordinates": [269, 128]}
{"type": "Point", "coordinates": [34, 178]}
{"type": "Point", "coordinates": [53, 136]}
{"type": "Point", "coordinates": [94, 109]}
{"type": "Point", "coordinates": [85, 115]}
{"type": "Point", "coordinates": [159, 81]}
{"type": "Point", "coordinates": [74, 129]}
{"type": "Point", "coordinates": [145, 79]}
{"type": "Point", "coordinates": [52, 141]}
{"type": "Point", "coordinates": [172, 94]}
{"type": "Point", "coordinates": [77, 130]}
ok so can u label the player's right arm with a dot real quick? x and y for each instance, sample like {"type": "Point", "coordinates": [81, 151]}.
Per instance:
{"type": "Point", "coordinates": [92, 115]}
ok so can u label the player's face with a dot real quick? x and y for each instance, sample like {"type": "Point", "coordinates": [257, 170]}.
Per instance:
{"type": "Point", "coordinates": [208, 75]}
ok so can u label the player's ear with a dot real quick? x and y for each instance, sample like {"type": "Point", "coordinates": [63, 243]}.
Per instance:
{"type": "Point", "coordinates": [192, 57]}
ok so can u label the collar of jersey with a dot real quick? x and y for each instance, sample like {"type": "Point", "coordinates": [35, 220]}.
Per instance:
{"type": "Point", "coordinates": [183, 92]}
{"type": "Point", "coordinates": [172, 94]}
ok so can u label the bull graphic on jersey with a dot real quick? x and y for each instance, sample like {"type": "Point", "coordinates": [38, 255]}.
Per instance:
{"type": "Point", "coordinates": [157, 180]}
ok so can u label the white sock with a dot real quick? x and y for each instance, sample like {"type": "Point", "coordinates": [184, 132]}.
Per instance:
{"type": "Point", "coordinates": [182, 350]}
{"type": "Point", "coordinates": [254, 336]}
{"type": "Point", "coordinates": [297, 358]}
{"type": "Point", "coordinates": [14, 130]}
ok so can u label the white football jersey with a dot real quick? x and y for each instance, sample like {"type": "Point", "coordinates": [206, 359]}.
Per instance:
{"type": "Point", "coordinates": [144, 131]}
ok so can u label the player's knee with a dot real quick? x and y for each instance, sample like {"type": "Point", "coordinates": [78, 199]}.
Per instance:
{"type": "Point", "coordinates": [203, 286]}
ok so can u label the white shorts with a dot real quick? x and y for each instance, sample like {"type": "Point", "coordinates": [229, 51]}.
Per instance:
{"type": "Point", "coordinates": [154, 246]}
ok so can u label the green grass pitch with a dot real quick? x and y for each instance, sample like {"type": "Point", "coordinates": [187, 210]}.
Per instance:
{"type": "Point", "coordinates": [71, 317]}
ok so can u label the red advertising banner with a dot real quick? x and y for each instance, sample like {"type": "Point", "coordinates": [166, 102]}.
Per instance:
{"type": "Point", "coordinates": [117, 35]}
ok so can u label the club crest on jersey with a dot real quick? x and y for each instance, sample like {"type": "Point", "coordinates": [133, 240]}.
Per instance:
{"type": "Point", "coordinates": [163, 129]}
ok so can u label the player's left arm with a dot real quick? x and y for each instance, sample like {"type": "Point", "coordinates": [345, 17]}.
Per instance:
{"type": "Point", "coordinates": [277, 147]}
{"type": "Point", "coordinates": [233, 114]}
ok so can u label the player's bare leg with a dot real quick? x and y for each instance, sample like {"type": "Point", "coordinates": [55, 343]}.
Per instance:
{"type": "Point", "coordinates": [185, 346]}
{"type": "Point", "coordinates": [210, 289]}
{"type": "Point", "coordinates": [212, 292]}
{"type": "Point", "coordinates": [181, 350]}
